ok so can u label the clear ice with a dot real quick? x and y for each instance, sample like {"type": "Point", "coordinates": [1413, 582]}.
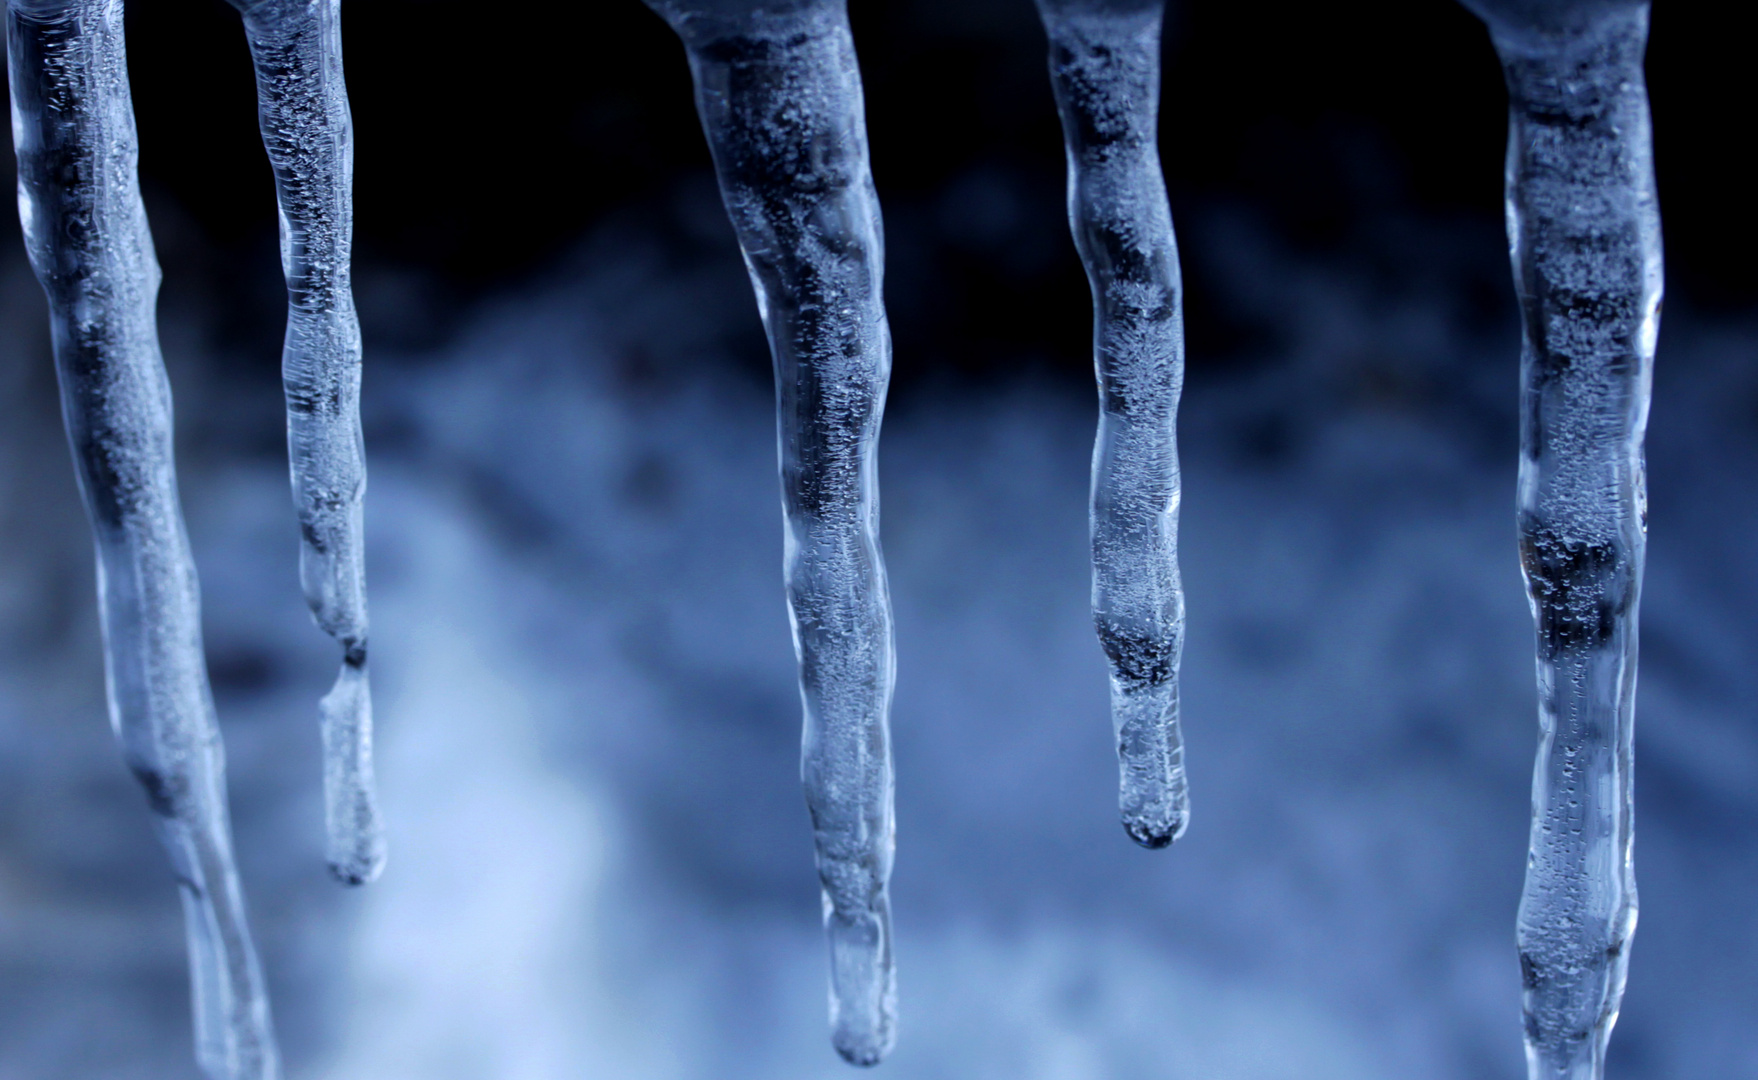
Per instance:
{"type": "Point", "coordinates": [296, 46]}
{"type": "Point", "coordinates": [779, 94]}
{"type": "Point", "coordinates": [1105, 69]}
{"type": "Point", "coordinates": [86, 232]}
{"type": "Point", "coordinates": [1584, 229]}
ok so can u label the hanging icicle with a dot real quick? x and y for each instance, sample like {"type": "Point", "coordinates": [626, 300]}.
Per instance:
{"type": "Point", "coordinates": [1584, 228]}
{"type": "Point", "coordinates": [297, 49]}
{"type": "Point", "coordinates": [1105, 69]}
{"type": "Point", "coordinates": [86, 231]}
{"type": "Point", "coordinates": [779, 94]}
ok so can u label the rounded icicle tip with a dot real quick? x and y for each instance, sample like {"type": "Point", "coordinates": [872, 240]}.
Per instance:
{"type": "Point", "coordinates": [1156, 834]}
{"type": "Point", "coordinates": [863, 983]}
{"type": "Point", "coordinates": [865, 1048]}
{"type": "Point", "coordinates": [357, 849]}
{"type": "Point", "coordinates": [359, 867]}
{"type": "Point", "coordinates": [865, 1055]}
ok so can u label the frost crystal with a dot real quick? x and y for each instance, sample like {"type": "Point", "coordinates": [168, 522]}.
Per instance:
{"type": "Point", "coordinates": [297, 49]}
{"type": "Point", "coordinates": [1584, 228]}
{"type": "Point", "coordinates": [1105, 68]}
{"type": "Point", "coordinates": [779, 94]}
{"type": "Point", "coordinates": [86, 231]}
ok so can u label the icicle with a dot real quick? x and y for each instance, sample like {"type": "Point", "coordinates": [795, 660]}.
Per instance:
{"type": "Point", "coordinates": [779, 94]}
{"type": "Point", "coordinates": [1584, 229]}
{"type": "Point", "coordinates": [1105, 68]}
{"type": "Point", "coordinates": [297, 49]}
{"type": "Point", "coordinates": [86, 231]}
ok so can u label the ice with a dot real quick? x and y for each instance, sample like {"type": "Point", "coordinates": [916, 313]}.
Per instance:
{"type": "Point", "coordinates": [86, 231]}
{"type": "Point", "coordinates": [297, 49]}
{"type": "Point", "coordinates": [1105, 68]}
{"type": "Point", "coordinates": [1584, 229]}
{"type": "Point", "coordinates": [779, 94]}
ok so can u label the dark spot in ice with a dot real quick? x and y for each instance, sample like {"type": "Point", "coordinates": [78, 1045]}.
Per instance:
{"type": "Point", "coordinates": [1580, 588]}
{"type": "Point", "coordinates": [1139, 661]}
{"type": "Point", "coordinates": [864, 1056]}
{"type": "Point", "coordinates": [165, 793]}
{"type": "Point", "coordinates": [1153, 838]}
{"type": "Point", "coordinates": [352, 873]}
{"type": "Point", "coordinates": [1528, 973]}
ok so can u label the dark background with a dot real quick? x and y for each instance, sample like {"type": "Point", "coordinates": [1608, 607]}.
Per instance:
{"type": "Point", "coordinates": [1365, 132]}
{"type": "Point", "coordinates": [586, 713]}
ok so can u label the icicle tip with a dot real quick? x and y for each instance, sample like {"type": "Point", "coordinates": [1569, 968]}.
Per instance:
{"type": "Point", "coordinates": [1156, 835]}
{"type": "Point", "coordinates": [361, 868]}
{"type": "Point", "coordinates": [865, 1045]}
{"type": "Point", "coordinates": [356, 852]}
{"type": "Point", "coordinates": [863, 1055]}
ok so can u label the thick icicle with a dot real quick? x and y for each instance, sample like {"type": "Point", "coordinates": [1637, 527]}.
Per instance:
{"type": "Point", "coordinates": [86, 231]}
{"type": "Point", "coordinates": [1584, 228]}
{"type": "Point", "coordinates": [1105, 68]}
{"type": "Point", "coordinates": [303, 103]}
{"type": "Point", "coordinates": [779, 94]}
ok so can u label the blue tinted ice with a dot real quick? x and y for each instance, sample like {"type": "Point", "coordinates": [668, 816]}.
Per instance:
{"type": "Point", "coordinates": [86, 231]}
{"type": "Point", "coordinates": [297, 49]}
{"type": "Point", "coordinates": [1105, 69]}
{"type": "Point", "coordinates": [779, 94]}
{"type": "Point", "coordinates": [1584, 228]}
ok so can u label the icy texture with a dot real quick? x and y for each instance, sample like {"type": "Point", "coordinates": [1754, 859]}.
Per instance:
{"type": "Point", "coordinates": [1584, 229]}
{"type": "Point", "coordinates": [297, 49]}
{"type": "Point", "coordinates": [86, 231]}
{"type": "Point", "coordinates": [1105, 68]}
{"type": "Point", "coordinates": [779, 94]}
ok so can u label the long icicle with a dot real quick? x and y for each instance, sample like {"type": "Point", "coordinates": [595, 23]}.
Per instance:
{"type": "Point", "coordinates": [297, 49]}
{"type": "Point", "coordinates": [1584, 229]}
{"type": "Point", "coordinates": [86, 232]}
{"type": "Point", "coordinates": [779, 94]}
{"type": "Point", "coordinates": [1105, 69]}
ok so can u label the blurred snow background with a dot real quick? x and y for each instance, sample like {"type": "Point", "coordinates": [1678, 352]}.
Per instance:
{"type": "Point", "coordinates": [588, 726]}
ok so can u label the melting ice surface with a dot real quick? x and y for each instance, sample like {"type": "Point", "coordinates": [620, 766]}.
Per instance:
{"type": "Point", "coordinates": [589, 726]}
{"type": "Point", "coordinates": [86, 231]}
{"type": "Point", "coordinates": [85, 228]}
{"type": "Point", "coordinates": [1584, 228]}
{"type": "Point", "coordinates": [296, 48]}
{"type": "Point", "coordinates": [779, 93]}
{"type": "Point", "coordinates": [1105, 69]}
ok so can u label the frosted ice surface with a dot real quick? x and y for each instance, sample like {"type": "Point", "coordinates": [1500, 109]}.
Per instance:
{"type": "Point", "coordinates": [303, 103]}
{"type": "Point", "coordinates": [1105, 69]}
{"type": "Point", "coordinates": [86, 232]}
{"type": "Point", "coordinates": [779, 94]}
{"type": "Point", "coordinates": [1584, 228]}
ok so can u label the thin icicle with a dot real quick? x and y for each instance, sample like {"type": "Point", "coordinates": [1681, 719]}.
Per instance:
{"type": "Point", "coordinates": [297, 49]}
{"type": "Point", "coordinates": [86, 231]}
{"type": "Point", "coordinates": [1105, 68]}
{"type": "Point", "coordinates": [1584, 228]}
{"type": "Point", "coordinates": [779, 94]}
